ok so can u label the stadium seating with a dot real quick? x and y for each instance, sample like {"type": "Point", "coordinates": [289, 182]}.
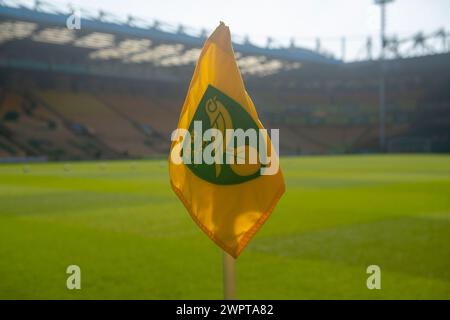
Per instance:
{"type": "Point", "coordinates": [35, 131]}
{"type": "Point", "coordinates": [100, 121]}
{"type": "Point", "coordinates": [64, 116]}
{"type": "Point", "coordinates": [152, 115]}
{"type": "Point", "coordinates": [8, 149]}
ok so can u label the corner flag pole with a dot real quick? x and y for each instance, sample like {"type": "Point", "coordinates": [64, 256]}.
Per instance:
{"type": "Point", "coordinates": [229, 277]}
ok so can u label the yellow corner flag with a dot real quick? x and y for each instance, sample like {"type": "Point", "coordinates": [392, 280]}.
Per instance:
{"type": "Point", "coordinates": [231, 196]}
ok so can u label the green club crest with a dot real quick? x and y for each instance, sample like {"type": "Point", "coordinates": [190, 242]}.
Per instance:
{"type": "Point", "coordinates": [218, 111]}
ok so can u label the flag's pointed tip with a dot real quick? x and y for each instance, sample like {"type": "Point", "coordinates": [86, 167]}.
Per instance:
{"type": "Point", "coordinates": [221, 35]}
{"type": "Point", "coordinates": [222, 25]}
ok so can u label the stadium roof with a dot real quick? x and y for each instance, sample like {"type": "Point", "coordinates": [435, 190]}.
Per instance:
{"type": "Point", "coordinates": [33, 38]}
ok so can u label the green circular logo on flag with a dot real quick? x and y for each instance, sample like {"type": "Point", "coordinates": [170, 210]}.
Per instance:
{"type": "Point", "coordinates": [218, 111]}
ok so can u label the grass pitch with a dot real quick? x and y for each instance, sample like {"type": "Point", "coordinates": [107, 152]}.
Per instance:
{"type": "Point", "coordinates": [132, 238]}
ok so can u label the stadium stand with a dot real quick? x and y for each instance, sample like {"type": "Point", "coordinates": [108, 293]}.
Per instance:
{"type": "Point", "coordinates": [98, 120]}
{"type": "Point", "coordinates": [116, 90]}
{"type": "Point", "coordinates": [30, 129]}
{"type": "Point", "coordinates": [154, 117]}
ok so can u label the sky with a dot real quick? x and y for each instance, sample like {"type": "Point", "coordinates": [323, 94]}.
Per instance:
{"type": "Point", "coordinates": [304, 20]}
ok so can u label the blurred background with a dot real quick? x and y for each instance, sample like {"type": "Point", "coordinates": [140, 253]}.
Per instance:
{"type": "Point", "coordinates": [113, 87]}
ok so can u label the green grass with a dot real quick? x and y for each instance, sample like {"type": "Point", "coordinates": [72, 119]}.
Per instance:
{"type": "Point", "coordinates": [122, 224]}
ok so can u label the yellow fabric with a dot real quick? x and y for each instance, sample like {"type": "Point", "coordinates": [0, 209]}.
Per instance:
{"type": "Point", "coordinates": [229, 214]}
